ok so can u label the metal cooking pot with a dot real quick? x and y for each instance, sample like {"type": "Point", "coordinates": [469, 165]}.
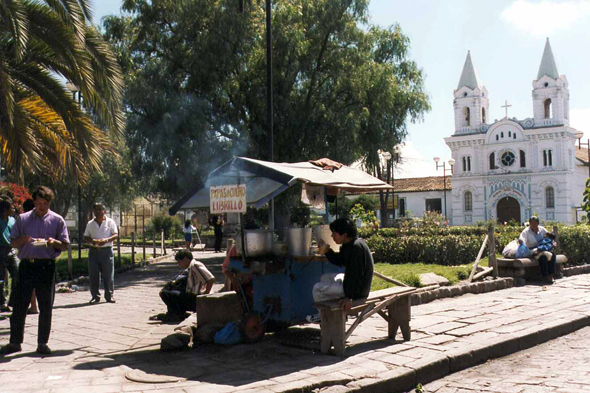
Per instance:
{"type": "Point", "coordinates": [259, 242]}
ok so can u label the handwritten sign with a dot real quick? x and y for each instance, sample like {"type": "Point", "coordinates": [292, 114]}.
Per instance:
{"type": "Point", "coordinates": [228, 199]}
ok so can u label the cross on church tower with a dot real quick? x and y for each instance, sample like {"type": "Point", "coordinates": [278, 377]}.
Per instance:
{"type": "Point", "coordinates": [506, 106]}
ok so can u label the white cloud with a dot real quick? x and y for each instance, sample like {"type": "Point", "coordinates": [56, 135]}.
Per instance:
{"type": "Point", "coordinates": [544, 18]}
{"type": "Point", "coordinates": [414, 164]}
{"type": "Point", "coordinates": [580, 120]}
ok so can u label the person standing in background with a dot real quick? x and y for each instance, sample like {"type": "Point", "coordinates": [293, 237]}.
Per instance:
{"type": "Point", "coordinates": [99, 234]}
{"type": "Point", "coordinates": [8, 258]}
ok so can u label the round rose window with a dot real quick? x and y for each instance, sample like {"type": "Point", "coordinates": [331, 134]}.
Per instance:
{"type": "Point", "coordinates": [508, 158]}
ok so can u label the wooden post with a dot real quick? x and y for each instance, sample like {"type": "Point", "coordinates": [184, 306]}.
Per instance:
{"type": "Point", "coordinates": [135, 220]}
{"type": "Point", "coordinates": [70, 276]}
{"type": "Point", "coordinates": [154, 244]}
{"type": "Point", "coordinates": [492, 252]}
{"type": "Point", "coordinates": [483, 246]}
{"type": "Point", "coordinates": [133, 248]}
{"type": "Point", "coordinates": [163, 243]}
{"type": "Point", "coordinates": [143, 229]}
{"type": "Point", "coordinates": [119, 248]}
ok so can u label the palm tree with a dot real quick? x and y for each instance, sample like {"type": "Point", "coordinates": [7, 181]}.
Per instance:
{"type": "Point", "coordinates": [43, 130]}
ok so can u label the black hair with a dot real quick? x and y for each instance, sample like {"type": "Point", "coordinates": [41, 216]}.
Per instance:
{"type": "Point", "coordinates": [344, 225]}
{"type": "Point", "coordinates": [550, 235]}
{"type": "Point", "coordinates": [180, 255]}
{"type": "Point", "coordinates": [45, 193]}
{"type": "Point", "coordinates": [98, 206]}
{"type": "Point", "coordinates": [187, 223]}
{"type": "Point", "coordinates": [5, 204]}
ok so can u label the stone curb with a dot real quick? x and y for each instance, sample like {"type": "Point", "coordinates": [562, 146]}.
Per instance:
{"type": "Point", "coordinates": [428, 369]}
{"type": "Point", "coordinates": [406, 378]}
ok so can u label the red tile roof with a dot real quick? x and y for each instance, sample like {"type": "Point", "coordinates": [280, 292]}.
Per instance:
{"type": "Point", "coordinates": [417, 184]}
{"type": "Point", "coordinates": [582, 154]}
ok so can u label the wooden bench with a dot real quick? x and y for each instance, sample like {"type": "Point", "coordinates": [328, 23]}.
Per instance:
{"type": "Point", "coordinates": [393, 304]}
{"type": "Point", "coordinates": [526, 267]}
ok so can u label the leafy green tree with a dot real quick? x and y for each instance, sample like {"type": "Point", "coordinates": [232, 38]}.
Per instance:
{"type": "Point", "coordinates": [43, 129]}
{"type": "Point", "coordinates": [586, 203]}
{"type": "Point", "coordinates": [196, 72]}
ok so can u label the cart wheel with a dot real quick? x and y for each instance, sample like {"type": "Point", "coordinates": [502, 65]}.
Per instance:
{"type": "Point", "coordinates": [253, 326]}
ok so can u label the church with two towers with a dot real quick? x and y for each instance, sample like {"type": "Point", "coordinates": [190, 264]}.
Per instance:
{"type": "Point", "coordinates": [513, 168]}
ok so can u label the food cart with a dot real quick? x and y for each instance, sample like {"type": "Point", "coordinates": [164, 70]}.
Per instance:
{"type": "Point", "coordinates": [282, 284]}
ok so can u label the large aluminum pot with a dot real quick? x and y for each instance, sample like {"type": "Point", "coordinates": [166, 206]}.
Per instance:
{"type": "Point", "coordinates": [323, 234]}
{"type": "Point", "coordinates": [299, 241]}
{"type": "Point", "coordinates": [259, 242]}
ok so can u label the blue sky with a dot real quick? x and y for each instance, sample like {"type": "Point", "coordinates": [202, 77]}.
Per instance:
{"type": "Point", "coordinates": [506, 39]}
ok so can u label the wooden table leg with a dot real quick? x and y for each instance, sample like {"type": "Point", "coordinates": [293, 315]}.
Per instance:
{"type": "Point", "coordinates": [333, 330]}
{"type": "Point", "coordinates": [399, 316]}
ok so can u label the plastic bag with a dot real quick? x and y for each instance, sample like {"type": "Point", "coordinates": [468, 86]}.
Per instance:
{"type": "Point", "coordinates": [510, 249]}
{"type": "Point", "coordinates": [523, 251]}
{"type": "Point", "coordinates": [229, 335]}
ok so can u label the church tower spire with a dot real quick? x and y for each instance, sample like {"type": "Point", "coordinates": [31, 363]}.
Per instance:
{"type": "Point", "coordinates": [471, 100]}
{"type": "Point", "coordinates": [550, 93]}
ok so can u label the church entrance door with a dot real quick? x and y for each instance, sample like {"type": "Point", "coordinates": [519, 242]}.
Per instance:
{"type": "Point", "coordinates": [508, 209]}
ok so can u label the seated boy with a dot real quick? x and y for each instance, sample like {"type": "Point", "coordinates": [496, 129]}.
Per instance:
{"type": "Point", "coordinates": [180, 294]}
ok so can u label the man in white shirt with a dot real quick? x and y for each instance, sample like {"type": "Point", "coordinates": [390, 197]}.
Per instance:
{"type": "Point", "coordinates": [99, 235]}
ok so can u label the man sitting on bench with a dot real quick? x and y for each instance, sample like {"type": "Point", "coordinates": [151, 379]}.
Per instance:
{"type": "Point", "coordinates": [180, 294]}
{"type": "Point", "coordinates": [531, 237]}
{"type": "Point", "coordinates": [357, 260]}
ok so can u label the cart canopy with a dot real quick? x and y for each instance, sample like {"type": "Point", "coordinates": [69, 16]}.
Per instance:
{"type": "Point", "coordinates": [265, 180]}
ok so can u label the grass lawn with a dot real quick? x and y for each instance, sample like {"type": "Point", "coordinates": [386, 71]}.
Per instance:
{"type": "Point", "coordinates": [80, 267]}
{"type": "Point", "coordinates": [408, 272]}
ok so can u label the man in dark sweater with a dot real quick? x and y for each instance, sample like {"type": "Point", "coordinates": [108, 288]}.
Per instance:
{"type": "Point", "coordinates": [355, 257]}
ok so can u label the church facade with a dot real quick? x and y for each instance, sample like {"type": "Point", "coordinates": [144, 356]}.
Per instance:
{"type": "Point", "coordinates": [511, 169]}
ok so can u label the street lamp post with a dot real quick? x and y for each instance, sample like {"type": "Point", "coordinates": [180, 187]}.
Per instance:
{"type": "Point", "coordinates": [74, 89]}
{"type": "Point", "coordinates": [579, 136]}
{"type": "Point", "coordinates": [443, 166]}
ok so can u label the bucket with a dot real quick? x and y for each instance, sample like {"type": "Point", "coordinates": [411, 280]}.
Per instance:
{"type": "Point", "coordinates": [323, 234]}
{"type": "Point", "coordinates": [299, 241]}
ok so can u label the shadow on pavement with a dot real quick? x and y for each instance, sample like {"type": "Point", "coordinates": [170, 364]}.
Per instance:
{"type": "Point", "coordinates": [34, 355]}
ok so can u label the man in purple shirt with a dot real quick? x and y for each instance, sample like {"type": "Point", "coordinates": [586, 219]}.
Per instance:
{"type": "Point", "coordinates": [40, 236]}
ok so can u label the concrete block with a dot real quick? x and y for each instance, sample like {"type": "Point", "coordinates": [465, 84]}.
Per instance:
{"type": "Point", "coordinates": [430, 368]}
{"type": "Point", "coordinates": [415, 299]}
{"type": "Point", "coordinates": [398, 380]}
{"type": "Point", "coordinates": [528, 340]}
{"type": "Point", "coordinates": [219, 308]}
{"type": "Point", "coordinates": [459, 359]}
{"type": "Point", "coordinates": [502, 346]}
{"type": "Point", "coordinates": [456, 291]}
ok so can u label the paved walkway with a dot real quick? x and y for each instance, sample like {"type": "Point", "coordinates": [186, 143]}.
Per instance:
{"type": "Point", "coordinates": [97, 347]}
{"type": "Point", "coordinates": [561, 365]}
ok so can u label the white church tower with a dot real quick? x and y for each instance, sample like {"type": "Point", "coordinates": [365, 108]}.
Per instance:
{"type": "Point", "coordinates": [550, 93]}
{"type": "Point", "coordinates": [471, 101]}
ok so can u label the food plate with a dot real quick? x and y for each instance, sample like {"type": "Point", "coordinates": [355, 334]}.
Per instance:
{"type": "Point", "coordinates": [39, 243]}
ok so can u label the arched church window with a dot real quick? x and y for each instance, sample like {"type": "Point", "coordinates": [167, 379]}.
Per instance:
{"type": "Point", "coordinates": [522, 159]}
{"type": "Point", "coordinates": [502, 134]}
{"type": "Point", "coordinates": [493, 161]}
{"type": "Point", "coordinates": [469, 163]}
{"type": "Point", "coordinates": [467, 115]}
{"type": "Point", "coordinates": [508, 158]}
{"type": "Point", "coordinates": [509, 134]}
{"type": "Point", "coordinates": [550, 157]}
{"type": "Point", "coordinates": [547, 107]}
{"type": "Point", "coordinates": [549, 197]}
{"type": "Point", "coordinates": [514, 136]}
{"type": "Point", "coordinates": [497, 137]}
{"type": "Point", "coordinates": [544, 157]}
{"type": "Point", "coordinates": [468, 201]}
{"type": "Point", "coordinates": [464, 164]}
{"type": "Point", "coordinates": [483, 115]}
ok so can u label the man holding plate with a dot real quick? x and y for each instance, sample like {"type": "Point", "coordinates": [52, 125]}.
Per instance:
{"type": "Point", "coordinates": [40, 236]}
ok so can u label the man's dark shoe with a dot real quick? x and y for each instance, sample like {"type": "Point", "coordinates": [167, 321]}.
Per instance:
{"type": "Point", "coordinates": [10, 348]}
{"type": "Point", "coordinates": [94, 300]}
{"type": "Point", "coordinates": [111, 300]}
{"type": "Point", "coordinates": [43, 349]}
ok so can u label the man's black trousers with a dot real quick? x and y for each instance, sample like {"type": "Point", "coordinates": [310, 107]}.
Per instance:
{"type": "Point", "coordinates": [38, 274]}
{"type": "Point", "coordinates": [179, 302]}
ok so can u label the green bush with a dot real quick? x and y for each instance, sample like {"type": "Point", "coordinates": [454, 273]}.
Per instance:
{"type": "Point", "coordinates": [171, 225]}
{"type": "Point", "coordinates": [459, 245]}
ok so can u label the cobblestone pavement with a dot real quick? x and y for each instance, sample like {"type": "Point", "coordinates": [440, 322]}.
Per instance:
{"type": "Point", "coordinates": [108, 347]}
{"type": "Point", "coordinates": [560, 365]}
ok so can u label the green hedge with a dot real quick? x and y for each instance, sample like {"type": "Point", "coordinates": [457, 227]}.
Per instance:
{"type": "Point", "coordinates": [459, 245]}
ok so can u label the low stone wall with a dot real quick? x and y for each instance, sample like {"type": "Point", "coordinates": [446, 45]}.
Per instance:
{"type": "Point", "coordinates": [462, 289]}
